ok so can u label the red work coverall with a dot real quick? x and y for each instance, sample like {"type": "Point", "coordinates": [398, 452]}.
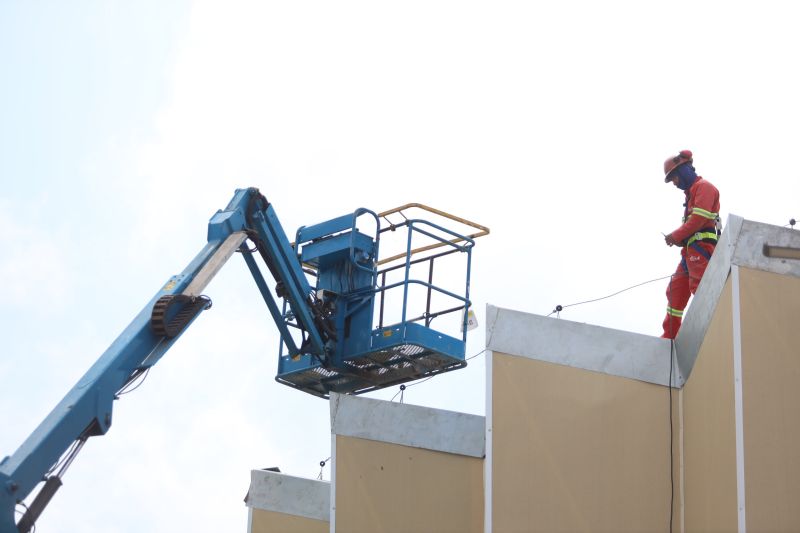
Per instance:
{"type": "Point", "coordinates": [699, 237]}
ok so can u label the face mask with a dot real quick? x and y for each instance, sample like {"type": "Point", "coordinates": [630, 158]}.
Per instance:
{"type": "Point", "coordinates": [686, 176]}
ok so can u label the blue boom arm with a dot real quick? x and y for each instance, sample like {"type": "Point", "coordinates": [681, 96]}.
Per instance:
{"type": "Point", "coordinates": [86, 410]}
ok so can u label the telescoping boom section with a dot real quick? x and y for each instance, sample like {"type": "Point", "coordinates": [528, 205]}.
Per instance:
{"type": "Point", "coordinates": [350, 321]}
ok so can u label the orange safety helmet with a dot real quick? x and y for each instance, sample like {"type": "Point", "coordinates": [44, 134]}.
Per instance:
{"type": "Point", "coordinates": [685, 156]}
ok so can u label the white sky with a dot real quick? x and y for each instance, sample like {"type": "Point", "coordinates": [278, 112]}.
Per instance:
{"type": "Point", "coordinates": [124, 127]}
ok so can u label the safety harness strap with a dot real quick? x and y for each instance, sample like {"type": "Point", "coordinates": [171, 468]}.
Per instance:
{"type": "Point", "coordinates": [703, 236]}
{"type": "Point", "coordinates": [700, 250]}
{"type": "Point", "coordinates": [708, 235]}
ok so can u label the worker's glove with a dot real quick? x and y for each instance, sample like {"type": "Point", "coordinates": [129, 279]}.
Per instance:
{"type": "Point", "coordinates": [670, 241]}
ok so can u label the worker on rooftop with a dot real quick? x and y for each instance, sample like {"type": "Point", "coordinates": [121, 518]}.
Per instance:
{"type": "Point", "coordinates": [697, 236]}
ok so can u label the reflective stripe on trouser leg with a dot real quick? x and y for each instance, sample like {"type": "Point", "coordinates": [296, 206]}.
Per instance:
{"type": "Point", "coordinates": [675, 312]}
{"type": "Point", "coordinates": [677, 297]}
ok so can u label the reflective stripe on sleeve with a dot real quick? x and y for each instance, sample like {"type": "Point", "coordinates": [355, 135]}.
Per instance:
{"type": "Point", "coordinates": [675, 312]}
{"type": "Point", "coordinates": [703, 213]}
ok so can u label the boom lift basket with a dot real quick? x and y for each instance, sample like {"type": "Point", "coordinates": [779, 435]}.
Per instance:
{"type": "Point", "coordinates": [397, 292]}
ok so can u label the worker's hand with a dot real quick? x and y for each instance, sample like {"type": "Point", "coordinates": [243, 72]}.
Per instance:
{"type": "Point", "coordinates": [670, 241]}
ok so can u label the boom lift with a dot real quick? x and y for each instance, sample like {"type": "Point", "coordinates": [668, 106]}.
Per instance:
{"type": "Point", "coordinates": [327, 285]}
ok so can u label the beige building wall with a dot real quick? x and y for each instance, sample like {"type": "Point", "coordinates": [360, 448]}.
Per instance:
{"type": "Point", "coordinates": [768, 344]}
{"type": "Point", "coordinates": [770, 347]}
{"type": "Point", "coordinates": [709, 435]}
{"type": "Point", "coordinates": [574, 450]}
{"type": "Point", "coordinates": [272, 522]}
{"type": "Point", "coordinates": [391, 488]}
{"type": "Point", "coordinates": [400, 468]}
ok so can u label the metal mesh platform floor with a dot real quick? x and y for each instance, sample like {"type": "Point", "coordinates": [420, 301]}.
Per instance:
{"type": "Point", "coordinates": [374, 370]}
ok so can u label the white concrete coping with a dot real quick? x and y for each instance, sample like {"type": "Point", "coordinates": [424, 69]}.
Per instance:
{"type": "Point", "coordinates": [595, 348]}
{"type": "Point", "coordinates": [408, 425]}
{"type": "Point", "coordinates": [273, 491]}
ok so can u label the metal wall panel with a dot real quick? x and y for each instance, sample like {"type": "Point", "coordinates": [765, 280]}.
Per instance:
{"type": "Point", "coordinates": [271, 522]}
{"type": "Point", "coordinates": [709, 433]}
{"type": "Point", "coordinates": [770, 307]}
{"type": "Point", "coordinates": [393, 488]}
{"type": "Point", "coordinates": [575, 450]}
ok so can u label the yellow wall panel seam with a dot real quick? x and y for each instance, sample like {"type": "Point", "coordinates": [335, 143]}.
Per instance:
{"type": "Point", "coordinates": [487, 463]}
{"type": "Point", "coordinates": [681, 457]}
{"type": "Point", "coordinates": [738, 401]}
{"type": "Point", "coordinates": [333, 484]}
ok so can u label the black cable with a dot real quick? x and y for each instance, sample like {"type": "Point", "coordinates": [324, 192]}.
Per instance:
{"type": "Point", "coordinates": [244, 248]}
{"type": "Point", "coordinates": [141, 377]}
{"type": "Point", "coordinates": [321, 466]}
{"type": "Point", "coordinates": [559, 308]}
{"type": "Point", "coordinates": [671, 429]}
{"type": "Point", "coordinates": [476, 355]}
{"type": "Point", "coordinates": [671, 438]}
{"type": "Point", "coordinates": [72, 455]}
{"type": "Point", "coordinates": [421, 381]}
{"type": "Point", "coordinates": [63, 458]}
{"type": "Point", "coordinates": [67, 458]}
{"type": "Point", "coordinates": [404, 387]}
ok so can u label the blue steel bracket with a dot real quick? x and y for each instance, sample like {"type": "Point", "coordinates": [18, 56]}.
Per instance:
{"type": "Point", "coordinates": [286, 268]}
